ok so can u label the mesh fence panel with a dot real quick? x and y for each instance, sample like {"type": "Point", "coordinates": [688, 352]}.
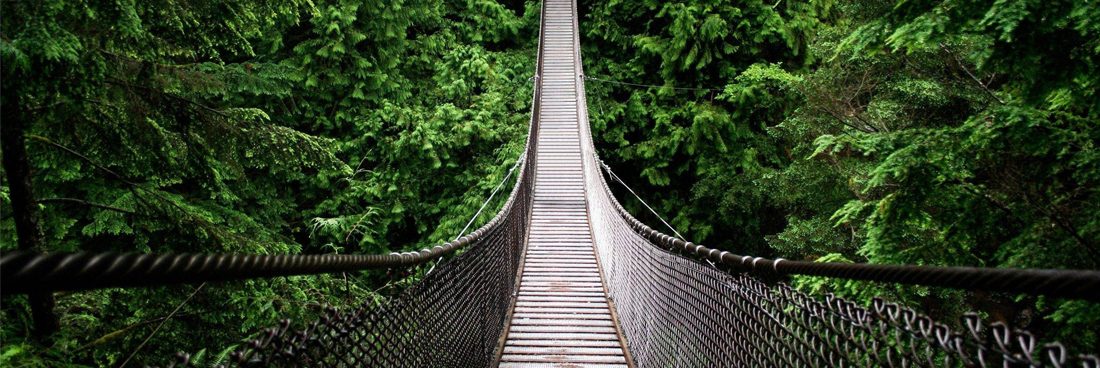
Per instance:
{"type": "Point", "coordinates": [676, 311]}
{"type": "Point", "coordinates": [453, 317]}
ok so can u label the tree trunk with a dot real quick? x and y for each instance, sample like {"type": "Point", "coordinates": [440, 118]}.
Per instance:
{"type": "Point", "coordinates": [24, 209]}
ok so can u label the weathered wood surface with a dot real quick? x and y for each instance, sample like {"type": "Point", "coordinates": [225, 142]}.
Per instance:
{"type": "Point", "coordinates": [562, 317]}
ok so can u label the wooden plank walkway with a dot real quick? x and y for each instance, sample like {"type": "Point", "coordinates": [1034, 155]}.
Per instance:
{"type": "Point", "coordinates": [562, 317]}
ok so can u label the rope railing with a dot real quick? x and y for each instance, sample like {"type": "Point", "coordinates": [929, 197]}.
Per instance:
{"type": "Point", "coordinates": [25, 271]}
{"type": "Point", "coordinates": [1070, 284]}
{"type": "Point", "coordinates": [682, 304]}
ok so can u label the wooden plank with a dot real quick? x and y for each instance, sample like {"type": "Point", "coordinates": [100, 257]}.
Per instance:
{"type": "Point", "coordinates": [566, 310]}
{"type": "Point", "coordinates": [576, 293]}
{"type": "Point", "coordinates": [560, 285]}
{"type": "Point", "coordinates": [558, 265]}
{"type": "Point", "coordinates": [561, 316]}
{"type": "Point", "coordinates": [606, 330]}
{"type": "Point", "coordinates": [562, 358]}
{"type": "Point", "coordinates": [551, 304]}
{"type": "Point", "coordinates": [559, 365]}
{"type": "Point", "coordinates": [575, 317]}
{"type": "Point", "coordinates": [561, 350]}
{"type": "Point", "coordinates": [563, 298]}
{"type": "Point", "coordinates": [560, 336]}
{"type": "Point", "coordinates": [560, 343]}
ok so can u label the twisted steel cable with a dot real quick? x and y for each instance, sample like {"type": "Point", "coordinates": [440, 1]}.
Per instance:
{"type": "Point", "coordinates": [24, 272]}
{"type": "Point", "coordinates": [682, 304]}
{"type": "Point", "coordinates": [1070, 284]}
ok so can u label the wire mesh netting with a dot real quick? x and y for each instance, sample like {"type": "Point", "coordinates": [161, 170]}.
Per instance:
{"type": "Point", "coordinates": [677, 311]}
{"type": "Point", "coordinates": [452, 317]}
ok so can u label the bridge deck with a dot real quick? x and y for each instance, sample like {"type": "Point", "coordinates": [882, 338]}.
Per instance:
{"type": "Point", "coordinates": [561, 317]}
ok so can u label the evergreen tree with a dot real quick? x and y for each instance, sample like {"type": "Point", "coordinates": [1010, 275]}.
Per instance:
{"type": "Point", "coordinates": [250, 127]}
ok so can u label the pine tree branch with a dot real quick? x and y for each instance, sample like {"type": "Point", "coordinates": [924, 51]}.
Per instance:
{"type": "Point", "coordinates": [959, 63]}
{"type": "Point", "coordinates": [87, 203]}
{"type": "Point", "coordinates": [114, 175]}
{"type": "Point", "coordinates": [95, 164]}
{"type": "Point", "coordinates": [111, 336]}
{"type": "Point", "coordinates": [184, 100]}
{"type": "Point", "coordinates": [161, 324]}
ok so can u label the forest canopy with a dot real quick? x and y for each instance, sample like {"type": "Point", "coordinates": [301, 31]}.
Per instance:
{"type": "Point", "coordinates": [959, 133]}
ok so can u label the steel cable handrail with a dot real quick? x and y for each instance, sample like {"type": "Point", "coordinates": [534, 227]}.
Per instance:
{"type": "Point", "coordinates": [682, 304]}
{"type": "Point", "coordinates": [1070, 284]}
{"type": "Point", "coordinates": [30, 271]}
{"type": "Point", "coordinates": [27, 271]}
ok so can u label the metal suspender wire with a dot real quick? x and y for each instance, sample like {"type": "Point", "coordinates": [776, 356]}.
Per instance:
{"type": "Point", "coordinates": [491, 195]}
{"type": "Point", "coordinates": [640, 85]}
{"type": "Point", "coordinates": [651, 210]}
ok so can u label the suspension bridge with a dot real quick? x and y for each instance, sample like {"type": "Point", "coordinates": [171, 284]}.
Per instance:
{"type": "Point", "coordinates": [564, 276]}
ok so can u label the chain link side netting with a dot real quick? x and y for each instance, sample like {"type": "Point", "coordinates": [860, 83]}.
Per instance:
{"type": "Point", "coordinates": [676, 310]}
{"type": "Point", "coordinates": [679, 309]}
{"type": "Point", "coordinates": [452, 317]}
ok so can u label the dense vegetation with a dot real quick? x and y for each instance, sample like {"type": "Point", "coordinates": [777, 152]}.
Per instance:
{"type": "Point", "coordinates": [910, 132]}
{"type": "Point", "coordinates": [258, 127]}
{"type": "Point", "coordinates": [950, 133]}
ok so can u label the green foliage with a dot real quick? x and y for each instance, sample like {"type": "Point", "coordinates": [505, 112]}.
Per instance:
{"type": "Point", "coordinates": [677, 139]}
{"type": "Point", "coordinates": [1054, 48]}
{"type": "Point", "coordinates": [952, 153]}
{"type": "Point", "coordinates": [910, 132]}
{"type": "Point", "coordinates": [944, 133]}
{"type": "Point", "coordinates": [254, 127]}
